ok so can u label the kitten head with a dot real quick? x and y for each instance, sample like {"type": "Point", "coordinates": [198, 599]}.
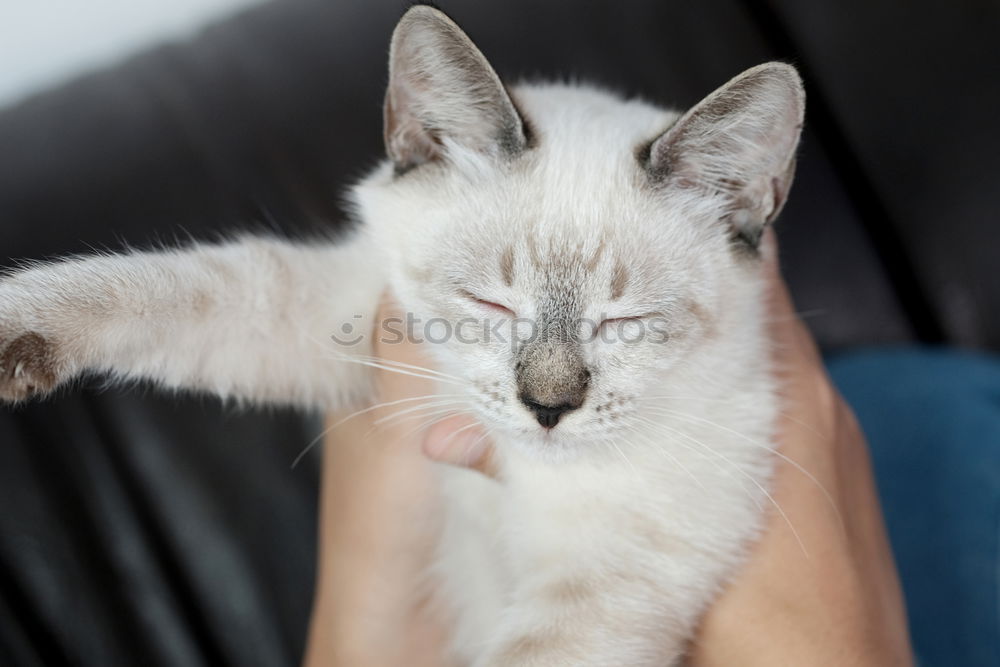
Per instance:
{"type": "Point", "coordinates": [565, 250]}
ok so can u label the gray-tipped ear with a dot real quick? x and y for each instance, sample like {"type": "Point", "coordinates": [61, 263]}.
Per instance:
{"type": "Point", "coordinates": [739, 142]}
{"type": "Point", "coordinates": [441, 86]}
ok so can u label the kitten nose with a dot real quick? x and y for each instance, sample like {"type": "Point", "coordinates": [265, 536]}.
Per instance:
{"type": "Point", "coordinates": [548, 415]}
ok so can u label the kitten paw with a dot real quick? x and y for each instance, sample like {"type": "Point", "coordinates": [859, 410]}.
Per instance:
{"type": "Point", "coordinates": [27, 367]}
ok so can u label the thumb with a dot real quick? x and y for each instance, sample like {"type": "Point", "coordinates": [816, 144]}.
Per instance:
{"type": "Point", "coordinates": [459, 441]}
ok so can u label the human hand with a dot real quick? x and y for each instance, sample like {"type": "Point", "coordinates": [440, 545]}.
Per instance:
{"type": "Point", "coordinates": [841, 604]}
{"type": "Point", "coordinates": [377, 520]}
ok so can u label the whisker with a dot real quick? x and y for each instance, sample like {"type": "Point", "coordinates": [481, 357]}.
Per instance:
{"type": "Point", "coordinates": [471, 445]}
{"type": "Point", "coordinates": [777, 506]}
{"type": "Point", "coordinates": [625, 458]}
{"type": "Point", "coordinates": [712, 460]}
{"type": "Point", "coordinates": [410, 399]}
{"type": "Point", "coordinates": [413, 367]}
{"type": "Point", "coordinates": [760, 487]}
{"type": "Point", "coordinates": [659, 447]}
{"type": "Point", "coordinates": [401, 371]}
{"type": "Point", "coordinates": [435, 418]}
{"type": "Point", "coordinates": [358, 413]}
{"type": "Point", "coordinates": [312, 443]}
{"type": "Point", "coordinates": [417, 408]}
{"type": "Point", "coordinates": [681, 398]}
{"type": "Point", "coordinates": [457, 431]}
{"type": "Point", "coordinates": [694, 419]}
{"type": "Point", "coordinates": [446, 410]}
{"type": "Point", "coordinates": [727, 401]}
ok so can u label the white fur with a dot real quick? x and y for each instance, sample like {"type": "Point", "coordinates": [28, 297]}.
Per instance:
{"type": "Point", "coordinates": [648, 522]}
{"type": "Point", "coordinates": [248, 320]}
{"type": "Point", "coordinates": [604, 539]}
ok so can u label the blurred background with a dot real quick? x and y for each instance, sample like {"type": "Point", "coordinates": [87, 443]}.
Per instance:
{"type": "Point", "coordinates": [142, 529]}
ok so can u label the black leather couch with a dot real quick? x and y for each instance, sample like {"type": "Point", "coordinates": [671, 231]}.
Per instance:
{"type": "Point", "coordinates": [140, 529]}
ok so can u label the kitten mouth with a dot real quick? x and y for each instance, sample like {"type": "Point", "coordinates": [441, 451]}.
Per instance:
{"type": "Point", "coordinates": [547, 436]}
{"type": "Point", "coordinates": [550, 439]}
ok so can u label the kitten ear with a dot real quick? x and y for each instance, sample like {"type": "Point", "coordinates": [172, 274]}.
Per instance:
{"type": "Point", "coordinates": [740, 142]}
{"type": "Point", "coordinates": [441, 86]}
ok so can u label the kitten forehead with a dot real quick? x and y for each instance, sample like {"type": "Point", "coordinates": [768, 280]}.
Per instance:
{"type": "Point", "coordinates": [588, 138]}
{"type": "Point", "coordinates": [576, 212]}
{"type": "Point", "coordinates": [566, 272]}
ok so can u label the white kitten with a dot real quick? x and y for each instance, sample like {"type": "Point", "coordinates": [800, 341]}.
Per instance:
{"type": "Point", "coordinates": [632, 427]}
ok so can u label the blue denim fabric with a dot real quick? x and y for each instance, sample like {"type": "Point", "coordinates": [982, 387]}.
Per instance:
{"type": "Point", "coordinates": [932, 418]}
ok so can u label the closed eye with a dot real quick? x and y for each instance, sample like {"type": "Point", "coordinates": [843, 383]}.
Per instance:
{"type": "Point", "coordinates": [635, 328]}
{"type": "Point", "coordinates": [627, 318]}
{"type": "Point", "coordinates": [498, 308]}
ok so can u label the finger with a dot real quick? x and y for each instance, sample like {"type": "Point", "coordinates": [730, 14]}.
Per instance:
{"type": "Point", "coordinates": [461, 442]}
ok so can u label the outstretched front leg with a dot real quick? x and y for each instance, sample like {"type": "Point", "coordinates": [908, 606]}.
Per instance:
{"type": "Point", "coordinates": [251, 319]}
